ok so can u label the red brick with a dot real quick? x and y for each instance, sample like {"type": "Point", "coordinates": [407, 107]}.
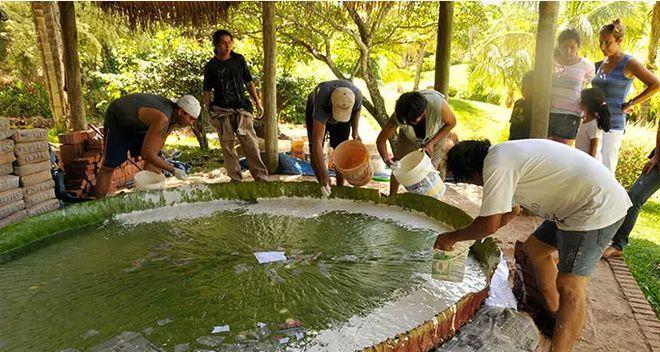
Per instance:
{"type": "Point", "coordinates": [73, 137]}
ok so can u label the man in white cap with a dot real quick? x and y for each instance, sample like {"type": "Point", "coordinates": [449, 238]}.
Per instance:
{"type": "Point", "coordinates": [140, 123]}
{"type": "Point", "coordinates": [333, 107]}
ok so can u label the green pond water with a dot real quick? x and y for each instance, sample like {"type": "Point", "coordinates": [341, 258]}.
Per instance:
{"type": "Point", "coordinates": [174, 281]}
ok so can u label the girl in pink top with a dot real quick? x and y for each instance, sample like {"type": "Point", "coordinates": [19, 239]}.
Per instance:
{"type": "Point", "coordinates": [571, 74]}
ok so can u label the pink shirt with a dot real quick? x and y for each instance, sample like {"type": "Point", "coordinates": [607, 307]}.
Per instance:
{"type": "Point", "coordinates": [567, 83]}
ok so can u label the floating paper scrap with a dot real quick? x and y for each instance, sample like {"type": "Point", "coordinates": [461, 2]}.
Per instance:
{"type": "Point", "coordinates": [221, 328]}
{"type": "Point", "coordinates": [268, 257]}
{"type": "Point", "coordinates": [284, 340]}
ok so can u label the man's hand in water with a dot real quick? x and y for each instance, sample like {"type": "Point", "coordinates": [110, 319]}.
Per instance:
{"type": "Point", "coordinates": [444, 242]}
{"type": "Point", "coordinates": [428, 148]}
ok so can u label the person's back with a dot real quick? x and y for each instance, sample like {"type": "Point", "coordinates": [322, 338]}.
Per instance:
{"type": "Point", "coordinates": [521, 116]}
{"type": "Point", "coordinates": [122, 113]}
{"type": "Point", "coordinates": [557, 182]}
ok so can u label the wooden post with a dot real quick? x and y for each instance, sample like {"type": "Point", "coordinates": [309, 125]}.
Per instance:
{"type": "Point", "coordinates": [270, 85]}
{"type": "Point", "coordinates": [73, 82]}
{"type": "Point", "coordinates": [443, 49]}
{"type": "Point", "coordinates": [545, 39]}
{"type": "Point", "coordinates": [49, 44]}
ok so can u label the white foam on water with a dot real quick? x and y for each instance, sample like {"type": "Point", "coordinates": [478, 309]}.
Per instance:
{"type": "Point", "coordinates": [295, 207]}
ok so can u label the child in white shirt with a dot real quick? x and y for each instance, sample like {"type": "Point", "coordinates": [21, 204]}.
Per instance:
{"type": "Point", "coordinates": [595, 120]}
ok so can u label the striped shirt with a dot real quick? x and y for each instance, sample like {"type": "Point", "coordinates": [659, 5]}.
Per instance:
{"type": "Point", "coordinates": [616, 86]}
{"type": "Point", "coordinates": [567, 83]}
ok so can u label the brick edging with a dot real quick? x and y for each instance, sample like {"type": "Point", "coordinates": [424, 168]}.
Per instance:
{"type": "Point", "coordinates": [642, 310]}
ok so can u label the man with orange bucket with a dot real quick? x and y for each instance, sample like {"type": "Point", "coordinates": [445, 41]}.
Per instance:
{"type": "Point", "coordinates": [423, 119]}
{"type": "Point", "coordinates": [332, 107]}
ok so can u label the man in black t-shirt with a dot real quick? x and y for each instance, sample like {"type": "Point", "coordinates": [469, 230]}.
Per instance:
{"type": "Point", "coordinates": [226, 78]}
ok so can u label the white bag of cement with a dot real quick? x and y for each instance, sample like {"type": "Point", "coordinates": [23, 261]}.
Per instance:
{"type": "Point", "coordinates": [39, 177]}
{"type": "Point", "coordinates": [6, 145]}
{"type": "Point", "coordinates": [19, 215]}
{"type": "Point", "coordinates": [30, 135]}
{"type": "Point", "coordinates": [24, 170]}
{"type": "Point", "coordinates": [6, 169]}
{"type": "Point", "coordinates": [8, 182]}
{"type": "Point", "coordinates": [10, 196]}
{"type": "Point", "coordinates": [37, 198]}
{"type": "Point", "coordinates": [30, 190]}
{"type": "Point", "coordinates": [30, 147]}
{"type": "Point", "coordinates": [44, 207]}
{"type": "Point", "coordinates": [5, 133]}
{"type": "Point", "coordinates": [7, 157]}
{"type": "Point", "coordinates": [11, 208]}
{"type": "Point", "coordinates": [494, 330]}
{"type": "Point", "coordinates": [33, 158]}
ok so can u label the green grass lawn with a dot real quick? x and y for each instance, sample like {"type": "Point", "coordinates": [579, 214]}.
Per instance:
{"type": "Point", "coordinates": [643, 253]}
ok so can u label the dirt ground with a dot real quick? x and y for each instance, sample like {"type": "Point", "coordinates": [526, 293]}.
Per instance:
{"type": "Point", "coordinates": [610, 323]}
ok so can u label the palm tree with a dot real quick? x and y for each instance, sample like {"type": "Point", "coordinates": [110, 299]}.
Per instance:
{"type": "Point", "coordinates": [652, 54]}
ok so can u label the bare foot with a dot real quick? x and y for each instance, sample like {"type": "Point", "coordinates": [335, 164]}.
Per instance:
{"type": "Point", "coordinates": [611, 252]}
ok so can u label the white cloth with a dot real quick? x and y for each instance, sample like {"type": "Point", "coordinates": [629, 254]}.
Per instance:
{"type": "Point", "coordinates": [554, 181]}
{"type": "Point", "coordinates": [586, 132]}
{"type": "Point", "coordinates": [611, 146]}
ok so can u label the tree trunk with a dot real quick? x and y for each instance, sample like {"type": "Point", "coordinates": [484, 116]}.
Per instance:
{"type": "Point", "coordinates": [270, 85]}
{"type": "Point", "coordinates": [443, 50]}
{"type": "Point", "coordinates": [72, 66]}
{"type": "Point", "coordinates": [652, 55]}
{"type": "Point", "coordinates": [50, 49]}
{"type": "Point", "coordinates": [420, 65]}
{"type": "Point", "coordinates": [545, 37]}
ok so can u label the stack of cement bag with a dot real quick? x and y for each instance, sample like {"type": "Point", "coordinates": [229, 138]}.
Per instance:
{"type": "Point", "coordinates": [33, 168]}
{"type": "Point", "coordinates": [11, 196]}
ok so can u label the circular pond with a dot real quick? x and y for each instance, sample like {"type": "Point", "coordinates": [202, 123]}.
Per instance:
{"type": "Point", "coordinates": [346, 275]}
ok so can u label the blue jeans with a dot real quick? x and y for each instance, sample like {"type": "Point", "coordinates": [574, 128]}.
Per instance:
{"type": "Point", "coordinates": [639, 193]}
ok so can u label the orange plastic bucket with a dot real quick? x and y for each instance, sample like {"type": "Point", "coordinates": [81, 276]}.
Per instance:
{"type": "Point", "coordinates": [352, 161]}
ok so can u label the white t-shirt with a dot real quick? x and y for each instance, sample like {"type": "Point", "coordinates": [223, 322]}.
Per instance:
{"type": "Point", "coordinates": [554, 181]}
{"type": "Point", "coordinates": [586, 132]}
{"type": "Point", "coordinates": [567, 83]}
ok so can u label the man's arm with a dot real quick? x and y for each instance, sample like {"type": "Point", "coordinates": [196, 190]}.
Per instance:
{"type": "Point", "coordinates": [207, 99]}
{"type": "Point", "coordinates": [593, 146]}
{"type": "Point", "coordinates": [654, 162]}
{"type": "Point", "coordinates": [252, 89]}
{"type": "Point", "coordinates": [155, 137]}
{"type": "Point", "coordinates": [317, 153]}
{"type": "Point", "coordinates": [381, 142]}
{"type": "Point", "coordinates": [355, 124]}
{"type": "Point", "coordinates": [482, 226]}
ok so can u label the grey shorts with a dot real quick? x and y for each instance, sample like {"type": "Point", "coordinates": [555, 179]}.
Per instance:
{"type": "Point", "coordinates": [563, 125]}
{"type": "Point", "coordinates": [579, 251]}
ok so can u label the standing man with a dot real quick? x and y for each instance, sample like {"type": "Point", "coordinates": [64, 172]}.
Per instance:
{"type": "Point", "coordinates": [580, 199]}
{"type": "Point", "coordinates": [140, 123]}
{"type": "Point", "coordinates": [423, 118]}
{"type": "Point", "coordinates": [226, 77]}
{"type": "Point", "coordinates": [333, 106]}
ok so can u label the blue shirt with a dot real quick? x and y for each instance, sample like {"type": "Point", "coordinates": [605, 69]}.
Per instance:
{"type": "Point", "coordinates": [616, 86]}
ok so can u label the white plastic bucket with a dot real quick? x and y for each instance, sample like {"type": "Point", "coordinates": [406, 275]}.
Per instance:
{"type": "Point", "coordinates": [417, 175]}
{"type": "Point", "coordinates": [149, 180]}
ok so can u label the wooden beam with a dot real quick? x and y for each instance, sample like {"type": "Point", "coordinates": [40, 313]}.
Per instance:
{"type": "Point", "coordinates": [443, 49]}
{"type": "Point", "coordinates": [73, 82]}
{"type": "Point", "coordinates": [49, 44]}
{"type": "Point", "coordinates": [545, 39]}
{"type": "Point", "coordinates": [270, 85]}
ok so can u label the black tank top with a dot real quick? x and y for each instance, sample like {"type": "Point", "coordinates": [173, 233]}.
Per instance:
{"type": "Point", "coordinates": [123, 112]}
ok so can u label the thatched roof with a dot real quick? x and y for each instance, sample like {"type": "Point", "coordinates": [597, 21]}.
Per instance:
{"type": "Point", "coordinates": [146, 13]}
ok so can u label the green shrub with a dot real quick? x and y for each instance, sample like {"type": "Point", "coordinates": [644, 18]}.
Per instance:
{"type": "Point", "coordinates": [20, 98]}
{"type": "Point", "coordinates": [638, 141]}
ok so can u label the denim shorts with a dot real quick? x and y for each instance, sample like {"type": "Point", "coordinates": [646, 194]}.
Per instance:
{"type": "Point", "coordinates": [563, 125]}
{"type": "Point", "coordinates": [579, 251]}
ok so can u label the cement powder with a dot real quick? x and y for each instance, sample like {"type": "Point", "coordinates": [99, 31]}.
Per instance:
{"type": "Point", "coordinates": [29, 169]}
{"type": "Point", "coordinates": [30, 147]}
{"type": "Point", "coordinates": [10, 196]}
{"type": "Point", "coordinates": [34, 179]}
{"type": "Point", "coordinates": [6, 169]}
{"type": "Point", "coordinates": [32, 158]}
{"type": "Point", "coordinates": [8, 182]}
{"type": "Point", "coordinates": [30, 135]}
{"type": "Point", "coordinates": [44, 207]}
{"type": "Point", "coordinates": [37, 198]}
{"type": "Point", "coordinates": [6, 145]}
{"type": "Point", "coordinates": [40, 187]}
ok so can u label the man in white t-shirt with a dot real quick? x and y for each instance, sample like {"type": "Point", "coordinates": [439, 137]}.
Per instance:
{"type": "Point", "coordinates": [580, 199]}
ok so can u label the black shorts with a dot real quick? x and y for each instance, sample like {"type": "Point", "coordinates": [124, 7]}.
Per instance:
{"type": "Point", "coordinates": [563, 125]}
{"type": "Point", "coordinates": [117, 145]}
{"type": "Point", "coordinates": [338, 132]}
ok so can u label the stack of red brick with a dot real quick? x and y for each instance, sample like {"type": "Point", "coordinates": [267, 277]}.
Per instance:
{"type": "Point", "coordinates": [81, 153]}
{"type": "Point", "coordinates": [26, 186]}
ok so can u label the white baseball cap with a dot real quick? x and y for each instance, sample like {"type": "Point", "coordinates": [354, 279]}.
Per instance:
{"type": "Point", "coordinates": [342, 100]}
{"type": "Point", "coordinates": [190, 105]}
